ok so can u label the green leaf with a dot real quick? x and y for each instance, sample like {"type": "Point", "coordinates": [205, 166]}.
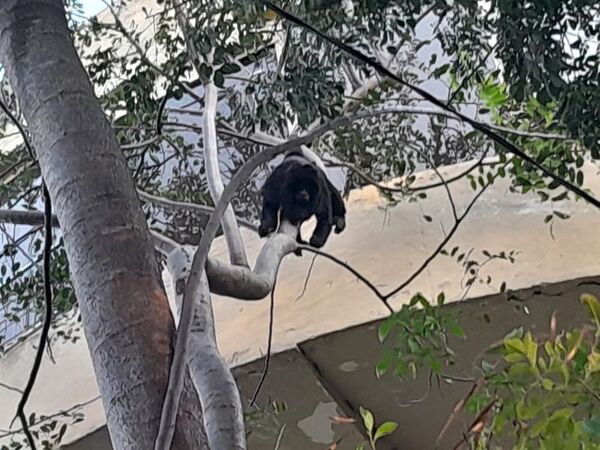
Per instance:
{"type": "Point", "coordinates": [531, 348]}
{"type": "Point", "coordinates": [382, 367]}
{"type": "Point", "coordinates": [456, 329]}
{"type": "Point", "coordinates": [385, 429]}
{"type": "Point", "coordinates": [538, 428]}
{"type": "Point", "coordinates": [592, 426]}
{"type": "Point", "coordinates": [384, 329]}
{"type": "Point", "coordinates": [593, 305]}
{"type": "Point", "coordinates": [563, 413]}
{"type": "Point", "coordinates": [367, 418]}
{"type": "Point", "coordinates": [593, 364]}
{"type": "Point", "coordinates": [514, 357]}
{"type": "Point", "coordinates": [441, 298]}
{"type": "Point", "coordinates": [515, 344]}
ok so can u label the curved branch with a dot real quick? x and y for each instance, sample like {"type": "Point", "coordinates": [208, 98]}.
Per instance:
{"type": "Point", "coordinates": [216, 387]}
{"type": "Point", "coordinates": [239, 282]}
{"type": "Point", "coordinates": [237, 253]}
{"type": "Point", "coordinates": [245, 284]}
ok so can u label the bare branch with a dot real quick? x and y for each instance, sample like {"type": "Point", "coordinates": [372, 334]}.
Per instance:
{"type": "Point", "coordinates": [10, 388]}
{"type": "Point", "coordinates": [217, 390]}
{"type": "Point", "coordinates": [197, 272]}
{"type": "Point", "coordinates": [237, 252]}
{"type": "Point", "coordinates": [141, 144]}
{"type": "Point", "coordinates": [200, 209]}
{"type": "Point", "coordinates": [32, 218]}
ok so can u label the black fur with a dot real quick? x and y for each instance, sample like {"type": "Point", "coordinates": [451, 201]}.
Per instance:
{"type": "Point", "coordinates": [299, 189]}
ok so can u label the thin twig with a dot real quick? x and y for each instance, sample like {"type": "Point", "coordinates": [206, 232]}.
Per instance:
{"type": "Point", "coordinates": [263, 376]}
{"type": "Point", "coordinates": [200, 209]}
{"type": "Point", "coordinates": [352, 270]}
{"type": "Point", "coordinates": [458, 407]}
{"type": "Point", "coordinates": [310, 268]}
{"type": "Point", "coordinates": [47, 290]}
{"type": "Point", "coordinates": [13, 167]}
{"type": "Point", "coordinates": [47, 320]}
{"type": "Point", "coordinates": [135, 145]}
{"type": "Point", "coordinates": [10, 388]}
{"type": "Point", "coordinates": [440, 247]}
{"type": "Point", "coordinates": [52, 416]}
{"type": "Point", "coordinates": [279, 437]}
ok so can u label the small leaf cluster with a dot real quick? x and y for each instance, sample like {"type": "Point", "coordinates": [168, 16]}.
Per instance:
{"type": "Point", "coordinates": [546, 395]}
{"type": "Point", "coordinates": [375, 433]}
{"type": "Point", "coordinates": [417, 337]}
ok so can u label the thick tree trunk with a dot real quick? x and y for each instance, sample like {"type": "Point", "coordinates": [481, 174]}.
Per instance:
{"type": "Point", "coordinates": [125, 312]}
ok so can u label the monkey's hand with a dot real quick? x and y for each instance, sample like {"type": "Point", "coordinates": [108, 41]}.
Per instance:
{"type": "Point", "coordinates": [266, 228]}
{"type": "Point", "coordinates": [340, 224]}
{"type": "Point", "coordinates": [317, 241]}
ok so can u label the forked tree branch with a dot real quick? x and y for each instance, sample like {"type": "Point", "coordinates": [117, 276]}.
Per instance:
{"type": "Point", "coordinates": [197, 274]}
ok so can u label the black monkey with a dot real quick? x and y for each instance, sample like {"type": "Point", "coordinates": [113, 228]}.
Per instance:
{"type": "Point", "coordinates": [299, 189]}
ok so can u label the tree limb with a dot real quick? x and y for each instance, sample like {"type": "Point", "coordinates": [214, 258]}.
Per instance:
{"type": "Point", "coordinates": [216, 387]}
{"type": "Point", "coordinates": [32, 218]}
{"type": "Point", "coordinates": [198, 275]}
{"type": "Point", "coordinates": [237, 252]}
{"type": "Point", "coordinates": [200, 209]}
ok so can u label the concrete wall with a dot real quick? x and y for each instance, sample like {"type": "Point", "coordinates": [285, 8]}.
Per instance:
{"type": "Point", "coordinates": [332, 375]}
{"type": "Point", "coordinates": [384, 245]}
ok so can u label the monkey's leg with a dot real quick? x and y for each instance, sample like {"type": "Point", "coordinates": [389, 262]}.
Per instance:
{"type": "Point", "coordinates": [322, 232]}
{"type": "Point", "coordinates": [338, 210]}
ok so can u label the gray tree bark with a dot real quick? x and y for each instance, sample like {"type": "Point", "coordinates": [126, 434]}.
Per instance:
{"type": "Point", "coordinates": [125, 312]}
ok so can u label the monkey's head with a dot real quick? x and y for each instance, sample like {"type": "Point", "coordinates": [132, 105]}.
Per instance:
{"type": "Point", "coordinates": [300, 193]}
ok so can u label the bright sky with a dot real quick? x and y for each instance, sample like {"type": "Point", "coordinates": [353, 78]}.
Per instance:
{"type": "Point", "coordinates": [92, 7]}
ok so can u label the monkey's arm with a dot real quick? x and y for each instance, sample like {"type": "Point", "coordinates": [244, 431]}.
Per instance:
{"type": "Point", "coordinates": [324, 219]}
{"type": "Point", "coordinates": [338, 210]}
